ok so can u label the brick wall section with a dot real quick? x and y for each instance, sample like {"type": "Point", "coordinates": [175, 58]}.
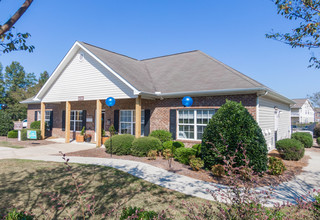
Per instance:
{"type": "Point", "coordinates": [160, 110]}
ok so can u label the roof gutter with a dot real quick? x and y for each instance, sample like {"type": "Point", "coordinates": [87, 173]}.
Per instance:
{"type": "Point", "coordinates": [260, 91]}
{"type": "Point", "coordinates": [205, 92]}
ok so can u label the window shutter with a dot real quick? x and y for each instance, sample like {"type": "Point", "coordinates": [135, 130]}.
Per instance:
{"type": "Point", "coordinates": [84, 119]}
{"type": "Point", "coordinates": [36, 116]}
{"type": "Point", "coordinates": [63, 120]}
{"type": "Point", "coordinates": [116, 120]}
{"type": "Point", "coordinates": [51, 120]}
{"type": "Point", "coordinates": [146, 122]}
{"type": "Point", "coordinates": [173, 123]}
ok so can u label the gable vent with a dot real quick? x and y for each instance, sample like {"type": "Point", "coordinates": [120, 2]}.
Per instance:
{"type": "Point", "coordinates": [81, 57]}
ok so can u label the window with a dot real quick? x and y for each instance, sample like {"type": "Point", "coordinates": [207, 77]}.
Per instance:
{"type": "Point", "coordinates": [128, 122]}
{"type": "Point", "coordinates": [47, 117]}
{"type": "Point", "coordinates": [191, 123]}
{"type": "Point", "coordinates": [76, 120]}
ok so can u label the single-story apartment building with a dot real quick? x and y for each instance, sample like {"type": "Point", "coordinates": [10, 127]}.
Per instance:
{"type": "Point", "coordinates": [148, 96]}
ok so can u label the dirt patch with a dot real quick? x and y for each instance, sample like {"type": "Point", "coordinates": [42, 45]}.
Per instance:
{"type": "Point", "coordinates": [29, 143]}
{"type": "Point", "coordinates": [293, 167]}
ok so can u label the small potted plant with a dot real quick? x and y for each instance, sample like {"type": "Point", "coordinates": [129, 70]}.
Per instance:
{"type": "Point", "coordinates": [104, 136]}
{"type": "Point", "coordinates": [87, 137]}
{"type": "Point", "coordinates": [80, 137]}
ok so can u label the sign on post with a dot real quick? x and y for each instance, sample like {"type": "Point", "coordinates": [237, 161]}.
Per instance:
{"type": "Point", "coordinates": [32, 135]}
{"type": "Point", "coordinates": [18, 125]}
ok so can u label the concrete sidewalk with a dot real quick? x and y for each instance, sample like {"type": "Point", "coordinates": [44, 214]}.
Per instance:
{"type": "Point", "coordinates": [41, 150]}
{"type": "Point", "coordinates": [285, 192]}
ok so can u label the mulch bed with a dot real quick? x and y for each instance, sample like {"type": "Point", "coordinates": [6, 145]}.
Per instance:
{"type": "Point", "coordinates": [293, 167]}
{"type": "Point", "coordinates": [29, 143]}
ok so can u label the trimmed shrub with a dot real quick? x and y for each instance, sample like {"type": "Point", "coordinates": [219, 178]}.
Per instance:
{"type": "Point", "coordinates": [6, 123]}
{"type": "Point", "coordinates": [141, 146]}
{"type": "Point", "coordinates": [137, 213]}
{"type": "Point", "coordinates": [290, 149]}
{"type": "Point", "coordinates": [276, 166]}
{"type": "Point", "coordinates": [35, 125]}
{"type": "Point", "coordinates": [196, 163]}
{"type": "Point", "coordinates": [183, 154]}
{"type": "Point", "coordinates": [218, 170]}
{"type": "Point", "coordinates": [316, 131]}
{"type": "Point", "coordinates": [162, 135]}
{"type": "Point", "coordinates": [304, 137]}
{"type": "Point", "coordinates": [24, 134]}
{"type": "Point", "coordinates": [121, 144]}
{"type": "Point", "coordinates": [233, 126]}
{"type": "Point", "coordinates": [177, 144]}
{"type": "Point", "coordinates": [197, 147]}
{"type": "Point", "coordinates": [318, 140]}
{"type": "Point", "coordinates": [167, 154]}
{"type": "Point", "coordinates": [172, 145]}
{"type": "Point", "coordinates": [152, 154]}
{"type": "Point", "coordinates": [13, 134]}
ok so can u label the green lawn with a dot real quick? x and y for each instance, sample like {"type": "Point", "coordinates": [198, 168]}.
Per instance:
{"type": "Point", "coordinates": [8, 144]}
{"type": "Point", "coordinates": [23, 181]}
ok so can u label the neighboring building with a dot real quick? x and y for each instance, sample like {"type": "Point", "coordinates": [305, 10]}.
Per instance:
{"type": "Point", "coordinates": [317, 114]}
{"type": "Point", "coordinates": [302, 111]}
{"type": "Point", "coordinates": [151, 91]}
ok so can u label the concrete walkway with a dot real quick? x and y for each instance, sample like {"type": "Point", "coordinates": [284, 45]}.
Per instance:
{"type": "Point", "coordinates": [285, 192]}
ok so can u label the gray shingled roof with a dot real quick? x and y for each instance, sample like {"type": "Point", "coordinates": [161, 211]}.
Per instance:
{"type": "Point", "coordinates": [183, 72]}
{"type": "Point", "coordinates": [299, 103]}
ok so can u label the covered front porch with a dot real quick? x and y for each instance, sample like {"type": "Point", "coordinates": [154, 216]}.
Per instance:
{"type": "Point", "coordinates": [95, 116]}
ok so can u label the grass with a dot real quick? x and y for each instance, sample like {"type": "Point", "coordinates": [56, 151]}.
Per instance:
{"type": "Point", "coordinates": [22, 183]}
{"type": "Point", "coordinates": [8, 144]}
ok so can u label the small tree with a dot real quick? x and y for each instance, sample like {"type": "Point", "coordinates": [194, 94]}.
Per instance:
{"type": "Point", "coordinates": [6, 123]}
{"type": "Point", "coordinates": [232, 126]}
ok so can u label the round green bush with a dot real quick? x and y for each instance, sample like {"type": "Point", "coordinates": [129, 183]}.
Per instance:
{"type": "Point", "coordinates": [162, 135]}
{"type": "Point", "coordinates": [13, 134]}
{"type": "Point", "coordinates": [197, 147]}
{"type": "Point", "coordinates": [6, 123]}
{"type": "Point", "coordinates": [141, 146]}
{"type": "Point", "coordinates": [233, 126]}
{"type": "Point", "coordinates": [24, 134]}
{"type": "Point", "coordinates": [290, 149]}
{"type": "Point", "coordinates": [35, 125]}
{"type": "Point", "coordinates": [304, 137]}
{"type": "Point", "coordinates": [121, 144]}
{"type": "Point", "coordinates": [276, 166]}
{"type": "Point", "coordinates": [183, 154]}
{"type": "Point", "coordinates": [172, 145]}
{"type": "Point", "coordinates": [316, 131]}
{"type": "Point", "coordinates": [318, 140]}
{"type": "Point", "coordinates": [178, 144]}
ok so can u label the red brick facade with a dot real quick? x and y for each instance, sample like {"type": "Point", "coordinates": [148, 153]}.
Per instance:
{"type": "Point", "coordinates": [160, 110]}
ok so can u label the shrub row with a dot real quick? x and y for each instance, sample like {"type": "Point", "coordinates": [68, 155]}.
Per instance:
{"type": "Point", "coordinates": [304, 137]}
{"type": "Point", "coordinates": [126, 144]}
{"type": "Point", "coordinates": [13, 134]}
{"type": "Point", "coordinates": [290, 149]}
{"type": "Point", "coordinates": [24, 134]}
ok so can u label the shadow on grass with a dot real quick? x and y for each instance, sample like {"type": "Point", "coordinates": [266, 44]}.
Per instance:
{"type": "Point", "coordinates": [23, 184]}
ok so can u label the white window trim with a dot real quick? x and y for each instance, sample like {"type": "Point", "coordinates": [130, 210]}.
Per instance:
{"type": "Point", "coordinates": [132, 123]}
{"type": "Point", "coordinates": [74, 121]}
{"type": "Point", "coordinates": [194, 123]}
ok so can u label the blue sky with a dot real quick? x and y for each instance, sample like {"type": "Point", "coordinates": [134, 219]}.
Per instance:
{"type": "Point", "coordinates": [230, 31]}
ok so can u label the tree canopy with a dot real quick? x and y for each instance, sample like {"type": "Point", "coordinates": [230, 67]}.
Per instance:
{"type": "Point", "coordinates": [17, 85]}
{"type": "Point", "coordinates": [11, 41]}
{"type": "Point", "coordinates": [307, 33]}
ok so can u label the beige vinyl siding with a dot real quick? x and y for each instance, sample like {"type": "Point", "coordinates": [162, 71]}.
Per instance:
{"type": "Point", "coordinates": [267, 120]}
{"type": "Point", "coordinates": [86, 78]}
